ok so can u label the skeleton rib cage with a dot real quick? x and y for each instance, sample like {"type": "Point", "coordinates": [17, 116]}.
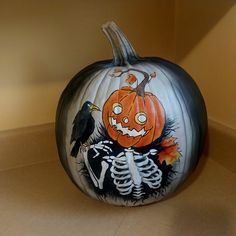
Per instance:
{"type": "Point", "coordinates": [129, 170]}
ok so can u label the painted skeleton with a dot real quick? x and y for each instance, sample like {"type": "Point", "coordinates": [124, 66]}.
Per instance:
{"type": "Point", "coordinates": [129, 169]}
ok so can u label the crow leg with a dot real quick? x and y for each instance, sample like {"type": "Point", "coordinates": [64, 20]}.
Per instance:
{"type": "Point", "coordinates": [84, 147]}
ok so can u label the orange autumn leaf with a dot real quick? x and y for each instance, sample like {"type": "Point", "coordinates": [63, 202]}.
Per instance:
{"type": "Point", "coordinates": [131, 79]}
{"type": "Point", "coordinates": [170, 152]}
{"type": "Point", "coordinates": [168, 142]}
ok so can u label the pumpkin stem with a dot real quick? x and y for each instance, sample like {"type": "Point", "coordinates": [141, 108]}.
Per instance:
{"type": "Point", "coordinates": [140, 89]}
{"type": "Point", "coordinates": [123, 51]}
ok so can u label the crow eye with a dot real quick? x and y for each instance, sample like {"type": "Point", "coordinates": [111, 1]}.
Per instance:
{"type": "Point", "coordinates": [141, 118]}
{"type": "Point", "coordinates": [117, 108]}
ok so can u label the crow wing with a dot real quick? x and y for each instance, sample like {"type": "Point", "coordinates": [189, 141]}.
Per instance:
{"type": "Point", "coordinates": [79, 127]}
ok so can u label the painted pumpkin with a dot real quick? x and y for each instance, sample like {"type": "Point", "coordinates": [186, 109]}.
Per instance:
{"type": "Point", "coordinates": [130, 130]}
{"type": "Point", "coordinates": [133, 117]}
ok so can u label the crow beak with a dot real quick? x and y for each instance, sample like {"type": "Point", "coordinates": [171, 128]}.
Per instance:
{"type": "Point", "coordinates": [94, 108]}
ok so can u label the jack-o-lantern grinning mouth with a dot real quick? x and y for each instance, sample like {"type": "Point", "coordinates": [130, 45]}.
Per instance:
{"type": "Point", "coordinates": [124, 130]}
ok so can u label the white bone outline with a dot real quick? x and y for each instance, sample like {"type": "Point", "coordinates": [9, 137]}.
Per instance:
{"type": "Point", "coordinates": [129, 169]}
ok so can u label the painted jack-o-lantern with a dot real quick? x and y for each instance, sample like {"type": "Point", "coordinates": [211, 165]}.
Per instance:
{"type": "Point", "coordinates": [133, 117]}
{"type": "Point", "coordinates": [130, 130]}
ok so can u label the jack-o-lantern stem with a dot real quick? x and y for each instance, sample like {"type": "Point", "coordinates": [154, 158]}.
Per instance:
{"type": "Point", "coordinates": [123, 51]}
{"type": "Point", "coordinates": [140, 89]}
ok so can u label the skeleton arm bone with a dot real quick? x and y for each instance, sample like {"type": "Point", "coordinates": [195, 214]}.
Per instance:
{"type": "Point", "coordinates": [98, 182]}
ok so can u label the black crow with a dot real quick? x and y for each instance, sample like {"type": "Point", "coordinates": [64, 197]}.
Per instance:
{"type": "Point", "coordinates": [83, 126]}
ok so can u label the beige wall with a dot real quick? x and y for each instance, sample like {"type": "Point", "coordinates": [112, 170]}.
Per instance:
{"type": "Point", "coordinates": [44, 43]}
{"type": "Point", "coordinates": [206, 48]}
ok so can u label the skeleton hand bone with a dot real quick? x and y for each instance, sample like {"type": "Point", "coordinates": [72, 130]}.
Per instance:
{"type": "Point", "coordinates": [101, 146]}
{"type": "Point", "coordinates": [152, 152]}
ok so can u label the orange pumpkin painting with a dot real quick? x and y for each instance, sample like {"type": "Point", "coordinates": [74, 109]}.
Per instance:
{"type": "Point", "coordinates": [133, 117]}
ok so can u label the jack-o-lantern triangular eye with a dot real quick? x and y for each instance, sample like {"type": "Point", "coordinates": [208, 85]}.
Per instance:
{"type": "Point", "coordinates": [141, 118]}
{"type": "Point", "coordinates": [117, 108]}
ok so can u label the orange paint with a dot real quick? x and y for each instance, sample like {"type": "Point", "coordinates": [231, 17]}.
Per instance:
{"type": "Point", "coordinates": [131, 79]}
{"type": "Point", "coordinates": [139, 120]}
{"type": "Point", "coordinates": [170, 152]}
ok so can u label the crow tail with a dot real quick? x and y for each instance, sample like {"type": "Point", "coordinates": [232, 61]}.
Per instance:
{"type": "Point", "coordinates": [75, 149]}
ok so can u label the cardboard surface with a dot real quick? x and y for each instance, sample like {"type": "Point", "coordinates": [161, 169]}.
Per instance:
{"type": "Point", "coordinates": [27, 146]}
{"type": "Point", "coordinates": [41, 200]}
